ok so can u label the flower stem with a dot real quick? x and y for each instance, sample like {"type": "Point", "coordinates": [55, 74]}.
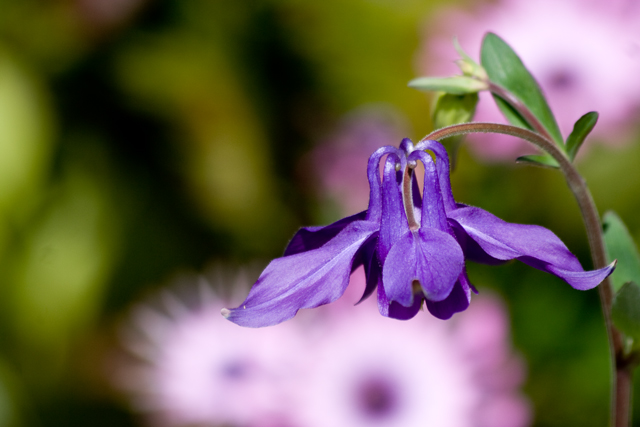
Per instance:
{"type": "Point", "coordinates": [621, 382]}
{"type": "Point", "coordinates": [520, 107]}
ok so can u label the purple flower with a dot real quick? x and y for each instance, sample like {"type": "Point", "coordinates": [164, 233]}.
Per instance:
{"type": "Point", "coordinates": [413, 248]}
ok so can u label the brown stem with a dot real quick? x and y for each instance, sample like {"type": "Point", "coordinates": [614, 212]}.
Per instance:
{"type": "Point", "coordinates": [624, 391]}
{"type": "Point", "coordinates": [621, 383]}
{"type": "Point", "coordinates": [520, 108]}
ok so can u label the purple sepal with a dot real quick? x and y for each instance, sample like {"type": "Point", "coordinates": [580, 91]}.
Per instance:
{"type": "Point", "coordinates": [534, 245]}
{"type": "Point", "coordinates": [304, 280]}
{"type": "Point", "coordinates": [581, 280]}
{"type": "Point", "coordinates": [308, 238]}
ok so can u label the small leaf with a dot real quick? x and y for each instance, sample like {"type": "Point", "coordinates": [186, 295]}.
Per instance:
{"type": "Point", "coordinates": [457, 85]}
{"type": "Point", "coordinates": [620, 246]}
{"type": "Point", "coordinates": [450, 110]}
{"type": "Point", "coordinates": [543, 160]}
{"type": "Point", "coordinates": [505, 68]}
{"type": "Point", "coordinates": [625, 310]}
{"type": "Point", "coordinates": [581, 129]}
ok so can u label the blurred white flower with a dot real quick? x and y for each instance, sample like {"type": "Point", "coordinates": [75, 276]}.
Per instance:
{"type": "Point", "coordinates": [585, 54]}
{"type": "Point", "coordinates": [337, 365]}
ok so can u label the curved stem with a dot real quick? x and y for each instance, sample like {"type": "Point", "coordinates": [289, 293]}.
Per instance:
{"type": "Point", "coordinates": [621, 382]}
{"type": "Point", "coordinates": [520, 107]}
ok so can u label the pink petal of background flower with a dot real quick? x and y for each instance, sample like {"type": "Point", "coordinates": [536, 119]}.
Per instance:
{"type": "Point", "coordinates": [584, 54]}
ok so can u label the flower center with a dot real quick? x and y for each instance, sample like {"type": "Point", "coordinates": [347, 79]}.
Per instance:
{"type": "Point", "coordinates": [561, 79]}
{"type": "Point", "coordinates": [377, 398]}
{"type": "Point", "coordinates": [235, 370]}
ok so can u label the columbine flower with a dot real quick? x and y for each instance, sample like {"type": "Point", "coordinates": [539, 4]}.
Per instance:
{"type": "Point", "coordinates": [413, 248]}
{"type": "Point", "coordinates": [586, 59]}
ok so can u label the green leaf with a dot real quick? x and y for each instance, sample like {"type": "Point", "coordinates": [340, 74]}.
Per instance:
{"type": "Point", "coordinates": [544, 160]}
{"type": "Point", "coordinates": [450, 110]}
{"type": "Point", "coordinates": [625, 310]}
{"type": "Point", "coordinates": [457, 85]}
{"type": "Point", "coordinates": [620, 246]}
{"type": "Point", "coordinates": [581, 129]}
{"type": "Point", "coordinates": [505, 69]}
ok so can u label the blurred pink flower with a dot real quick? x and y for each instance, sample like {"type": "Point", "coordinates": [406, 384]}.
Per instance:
{"type": "Point", "coordinates": [584, 54]}
{"type": "Point", "coordinates": [200, 369]}
{"type": "Point", "coordinates": [375, 371]}
{"type": "Point", "coordinates": [335, 161]}
{"type": "Point", "coordinates": [104, 15]}
{"type": "Point", "coordinates": [337, 365]}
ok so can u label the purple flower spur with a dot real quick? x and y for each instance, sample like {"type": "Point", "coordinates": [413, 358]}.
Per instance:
{"type": "Point", "coordinates": [413, 248]}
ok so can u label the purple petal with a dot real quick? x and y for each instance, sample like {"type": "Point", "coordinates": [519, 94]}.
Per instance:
{"type": "Point", "coordinates": [308, 238]}
{"type": "Point", "coordinates": [393, 223]}
{"type": "Point", "coordinates": [429, 256]}
{"type": "Point", "coordinates": [303, 280]}
{"type": "Point", "coordinates": [373, 174]}
{"type": "Point", "coordinates": [457, 301]}
{"type": "Point", "coordinates": [442, 165]}
{"type": "Point", "coordinates": [531, 244]}
{"type": "Point", "coordinates": [433, 214]}
{"type": "Point", "coordinates": [406, 145]}
{"type": "Point", "coordinates": [396, 311]}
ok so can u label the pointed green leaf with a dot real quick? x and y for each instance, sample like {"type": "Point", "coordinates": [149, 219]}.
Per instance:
{"type": "Point", "coordinates": [505, 69]}
{"type": "Point", "coordinates": [620, 246]}
{"type": "Point", "coordinates": [450, 110]}
{"type": "Point", "coordinates": [625, 310]}
{"type": "Point", "coordinates": [581, 129]}
{"type": "Point", "coordinates": [544, 160]}
{"type": "Point", "coordinates": [457, 85]}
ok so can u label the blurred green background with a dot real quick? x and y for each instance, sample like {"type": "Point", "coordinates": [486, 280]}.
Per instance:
{"type": "Point", "coordinates": [139, 138]}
